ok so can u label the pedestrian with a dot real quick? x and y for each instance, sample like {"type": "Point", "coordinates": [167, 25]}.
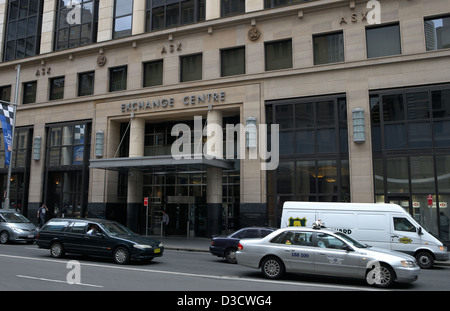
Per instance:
{"type": "Point", "coordinates": [41, 214]}
{"type": "Point", "coordinates": [165, 222]}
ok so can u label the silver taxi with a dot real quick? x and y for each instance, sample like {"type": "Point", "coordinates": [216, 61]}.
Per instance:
{"type": "Point", "coordinates": [325, 252]}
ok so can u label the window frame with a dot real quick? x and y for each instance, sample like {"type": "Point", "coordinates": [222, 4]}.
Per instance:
{"type": "Point", "coordinates": [370, 43]}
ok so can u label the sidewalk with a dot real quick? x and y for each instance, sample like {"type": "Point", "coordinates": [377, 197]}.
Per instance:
{"type": "Point", "coordinates": [181, 243]}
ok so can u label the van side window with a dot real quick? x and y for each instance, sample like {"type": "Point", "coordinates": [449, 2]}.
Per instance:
{"type": "Point", "coordinates": [403, 224]}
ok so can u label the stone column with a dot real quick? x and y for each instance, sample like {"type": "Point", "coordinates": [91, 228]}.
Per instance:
{"type": "Point", "coordinates": [214, 148]}
{"type": "Point", "coordinates": [138, 17]}
{"type": "Point", "coordinates": [135, 178]}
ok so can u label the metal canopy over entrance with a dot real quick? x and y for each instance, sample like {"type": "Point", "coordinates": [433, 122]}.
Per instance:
{"type": "Point", "coordinates": [160, 164]}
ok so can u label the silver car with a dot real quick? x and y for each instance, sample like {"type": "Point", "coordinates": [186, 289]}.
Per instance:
{"type": "Point", "coordinates": [325, 252]}
{"type": "Point", "coordinates": [15, 227]}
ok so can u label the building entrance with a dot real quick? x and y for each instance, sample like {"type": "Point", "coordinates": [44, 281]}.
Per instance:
{"type": "Point", "coordinates": [187, 216]}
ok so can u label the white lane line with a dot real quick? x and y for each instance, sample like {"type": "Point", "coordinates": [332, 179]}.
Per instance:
{"type": "Point", "coordinates": [55, 281]}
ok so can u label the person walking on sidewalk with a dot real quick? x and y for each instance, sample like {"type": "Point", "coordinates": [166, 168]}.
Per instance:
{"type": "Point", "coordinates": [41, 214]}
{"type": "Point", "coordinates": [165, 222]}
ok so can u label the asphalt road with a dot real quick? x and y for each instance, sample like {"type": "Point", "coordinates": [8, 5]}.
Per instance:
{"type": "Point", "coordinates": [28, 268]}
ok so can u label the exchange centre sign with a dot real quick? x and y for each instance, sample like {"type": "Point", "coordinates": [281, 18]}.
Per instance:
{"type": "Point", "coordinates": [170, 102]}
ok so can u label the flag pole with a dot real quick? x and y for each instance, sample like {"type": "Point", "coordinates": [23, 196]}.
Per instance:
{"type": "Point", "coordinates": [13, 128]}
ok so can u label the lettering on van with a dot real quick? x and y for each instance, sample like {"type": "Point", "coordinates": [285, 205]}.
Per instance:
{"type": "Point", "coordinates": [297, 222]}
{"type": "Point", "coordinates": [405, 240]}
{"type": "Point", "coordinates": [344, 231]}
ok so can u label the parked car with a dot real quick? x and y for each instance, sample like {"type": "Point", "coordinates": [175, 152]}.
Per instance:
{"type": "Point", "coordinates": [226, 246]}
{"type": "Point", "coordinates": [96, 237]}
{"type": "Point", "coordinates": [325, 252]}
{"type": "Point", "coordinates": [14, 227]}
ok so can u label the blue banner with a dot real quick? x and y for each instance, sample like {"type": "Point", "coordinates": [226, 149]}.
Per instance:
{"type": "Point", "coordinates": [7, 119]}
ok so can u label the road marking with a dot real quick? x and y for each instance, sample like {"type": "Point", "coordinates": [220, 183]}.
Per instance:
{"type": "Point", "coordinates": [55, 281]}
{"type": "Point", "coordinates": [229, 278]}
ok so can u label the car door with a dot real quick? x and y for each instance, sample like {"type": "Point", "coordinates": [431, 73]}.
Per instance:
{"type": "Point", "coordinates": [331, 258]}
{"type": "Point", "coordinates": [296, 250]}
{"type": "Point", "coordinates": [95, 240]}
{"type": "Point", "coordinates": [404, 236]}
{"type": "Point", "coordinates": [74, 237]}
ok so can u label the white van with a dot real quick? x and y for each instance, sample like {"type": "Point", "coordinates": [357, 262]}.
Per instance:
{"type": "Point", "coordinates": [380, 225]}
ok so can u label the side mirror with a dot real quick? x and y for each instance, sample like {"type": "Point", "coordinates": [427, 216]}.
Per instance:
{"type": "Point", "coordinates": [419, 231]}
{"type": "Point", "coordinates": [348, 248]}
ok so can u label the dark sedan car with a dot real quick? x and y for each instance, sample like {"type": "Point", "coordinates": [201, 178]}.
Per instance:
{"type": "Point", "coordinates": [226, 246]}
{"type": "Point", "coordinates": [96, 237]}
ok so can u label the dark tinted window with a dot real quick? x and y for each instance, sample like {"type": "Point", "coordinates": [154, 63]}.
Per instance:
{"type": "Point", "coordinates": [56, 226]}
{"type": "Point", "coordinates": [78, 227]}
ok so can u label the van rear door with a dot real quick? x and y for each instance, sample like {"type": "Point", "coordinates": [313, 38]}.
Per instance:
{"type": "Point", "coordinates": [404, 235]}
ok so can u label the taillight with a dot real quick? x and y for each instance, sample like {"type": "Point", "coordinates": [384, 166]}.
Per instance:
{"type": "Point", "coordinates": [37, 236]}
{"type": "Point", "coordinates": [240, 247]}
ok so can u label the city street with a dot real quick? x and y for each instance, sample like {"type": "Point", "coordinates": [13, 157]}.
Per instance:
{"type": "Point", "coordinates": [27, 268]}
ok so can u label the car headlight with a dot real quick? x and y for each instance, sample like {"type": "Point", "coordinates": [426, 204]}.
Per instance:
{"type": "Point", "coordinates": [142, 246]}
{"type": "Point", "coordinates": [17, 230]}
{"type": "Point", "coordinates": [160, 245]}
{"type": "Point", "coordinates": [443, 248]}
{"type": "Point", "coordinates": [408, 263]}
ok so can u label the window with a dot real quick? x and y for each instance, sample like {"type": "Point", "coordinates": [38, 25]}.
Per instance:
{"type": "Point", "coordinates": [5, 93]}
{"type": "Point", "coordinates": [66, 144]}
{"type": "Point", "coordinates": [86, 83]}
{"type": "Point", "coordinates": [232, 7]}
{"type": "Point", "coordinates": [191, 68]}
{"type": "Point", "coordinates": [437, 33]}
{"type": "Point", "coordinates": [175, 13]}
{"type": "Point", "coordinates": [274, 3]}
{"type": "Point", "coordinates": [328, 48]}
{"type": "Point", "coordinates": [29, 92]}
{"type": "Point", "coordinates": [232, 61]}
{"type": "Point", "coordinates": [278, 55]}
{"type": "Point", "coordinates": [403, 224]}
{"type": "Point", "coordinates": [123, 16]}
{"type": "Point", "coordinates": [56, 88]}
{"type": "Point", "coordinates": [328, 241]}
{"type": "Point", "coordinates": [294, 238]}
{"type": "Point", "coordinates": [78, 227]}
{"type": "Point", "coordinates": [153, 73]}
{"type": "Point", "coordinates": [118, 79]}
{"type": "Point", "coordinates": [314, 163]}
{"type": "Point", "coordinates": [383, 41]}
{"type": "Point", "coordinates": [76, 24]}
{"type": "Point", "coordinates": [23, 29]}
{"type": "Point", "coordinates": [411, 147]}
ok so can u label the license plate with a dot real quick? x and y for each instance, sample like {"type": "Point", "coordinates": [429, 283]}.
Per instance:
{"type": "Point", "coordinates": [30, 236]}
{"type": "Point", "coordinates": [157, 250]}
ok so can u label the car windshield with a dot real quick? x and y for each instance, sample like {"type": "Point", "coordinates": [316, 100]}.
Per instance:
{"type": "Point", "coordinates": [15, 218]}
{"type": "Point", "coordinates": [351, 241]}
{"type": "Point", "coordinates": [113, 229]}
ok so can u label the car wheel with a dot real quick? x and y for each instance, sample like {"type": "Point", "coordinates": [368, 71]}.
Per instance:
{"type": "Point", "coordinates": [57, 250]}
{"type": "Point", "coordinates": [121, 256]}
{"type": "Point", "coordinates": [4, 237]}
{"type": "Point", "coordinates": [230, 255]}
{"type": "Point", "coordinates": [381, 276]}
{"type": "Point", "coordinates": [272, 268]}
{"type": "Point", "coordinates": [425, 260]}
